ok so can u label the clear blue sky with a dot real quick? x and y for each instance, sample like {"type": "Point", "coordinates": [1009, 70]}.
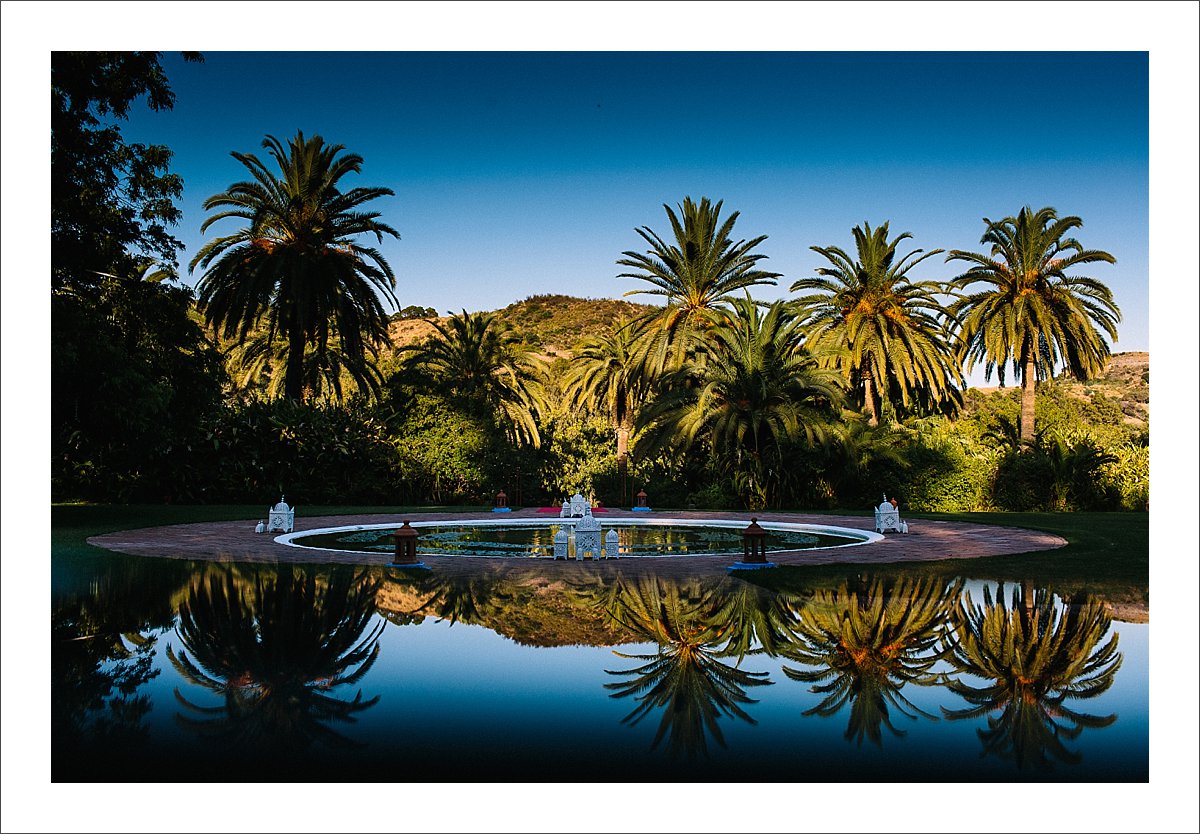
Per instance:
{"type": "Point", "coordinates": [527, 172]}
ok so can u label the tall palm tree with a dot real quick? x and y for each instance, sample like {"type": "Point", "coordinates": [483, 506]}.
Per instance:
{"type": "Point", "coordinates": [605, 373]}
{"type": "Point", "coordinates": [1030, 311]}
{"type": "Point", "coordinates": [1035, 657]}
{"type": "Point", "coordinates": [756, 389]}
{"type": "Point", "coordinates": [698, 273]}
{"type": "Point", "coordinates": [885, 329]}
{"type": "Point", "coordinates": [480, 361]}
{"type": "Point", "coordinates": [296, 264]}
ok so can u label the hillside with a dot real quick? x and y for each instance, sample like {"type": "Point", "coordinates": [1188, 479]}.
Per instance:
{"type": "Point", "coordinates": [550, 324]}
{"type": "Point", "coordinates": [1126, 381]}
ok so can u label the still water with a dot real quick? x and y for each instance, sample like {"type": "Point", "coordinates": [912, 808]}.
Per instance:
{"type": "Point", "coordinates": [537, 541]}
{"type": "Point", "coordinates": [179, 671]}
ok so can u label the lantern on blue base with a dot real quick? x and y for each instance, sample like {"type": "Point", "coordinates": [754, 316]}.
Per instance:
{"type": "Point", "coordinates": [641, 506]}
{"type": "Point", "coordinates": [501, 503]}
{"type": "Point", "coordinates": [754, 549]}
{"type": "Point", "coordinates": [406, 548]}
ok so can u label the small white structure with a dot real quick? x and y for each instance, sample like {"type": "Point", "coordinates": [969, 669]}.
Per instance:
{"type": "Point", "coordinates": [587, 535]}
{"type": "Point", "coordinates": [887, 517]}
{"type": "Point", "coordinates": [566, 510]}
{"type": "Point", "coordinates": [579, 504]}
{"type": "Point", "coordinates": [260, 528]}
{"type": "Point", "coordinates": [561, 543]}
{"type": "Point", "coordinates": [281, 518]}
{"type": "Point", "coordinates": [612, 545]}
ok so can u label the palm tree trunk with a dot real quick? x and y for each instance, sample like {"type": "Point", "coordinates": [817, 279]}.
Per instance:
{"type": "Point", "coordinates": [623, 458]}
{"type": "Point", "coordinates": [1028, 382]}
{"type": "Point", "coordinates": [869, 400]}
{"type": "Point", "coordinates": [293, 380]}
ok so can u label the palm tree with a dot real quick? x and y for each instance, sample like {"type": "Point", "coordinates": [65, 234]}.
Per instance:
{"type": "Point", "coordinates": [697, 274]}
{"type": "Point", "coordinates": [1030, 311]}
{"type": "Point", "coordinates": [296, 265]}
{"type": "Point", "coordinates": [275, 645]}
{"type": "Point", "coordinates": [605, 373]}
{"type": "Point", "coordinates": [1035, 657]}
{"type": "Point", "coordinates": [685, 678]}
{"type": "Point", "coordinates": [885, 330]}
{"type": "Point", "coordinates": [480, 361]}
{"type": "Point", "coordinates": [755, 389]}
{"type": "Point", "coordinates": [866, 644]}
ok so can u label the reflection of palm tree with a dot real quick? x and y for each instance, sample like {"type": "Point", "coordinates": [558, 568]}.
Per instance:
{"type": "Point", "coordinates": [685, 678]}
{"type": "Point", "coordinates": [274, 646]}
{"type": "Point", "coordinates": [868, 643]}
{"type": "Point", "coordinates": [1036, 656]}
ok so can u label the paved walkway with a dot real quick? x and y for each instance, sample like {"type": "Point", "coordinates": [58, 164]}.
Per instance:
{"type": "Point", "coordinates": [236, 541]}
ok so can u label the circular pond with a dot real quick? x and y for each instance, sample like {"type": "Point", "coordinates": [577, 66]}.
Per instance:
{"type": "Point", "coordinates": [534, 538]}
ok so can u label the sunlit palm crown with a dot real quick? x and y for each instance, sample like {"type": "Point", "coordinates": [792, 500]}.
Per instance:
{"type": "Point", "coordinates": [1028, 306]}
{"type": "Point", "coordinates": [756, 388]}
{"type": "Point", "coordinates": [700, 270]}
{"type": "Point", "coordinates": [881, 325]}
{"type": "Point", "coordinates": [478, 359]}
{"type": "Point", "coordinates": [296, 264]}
{"type": "Point", "coordinates": [605, 371]}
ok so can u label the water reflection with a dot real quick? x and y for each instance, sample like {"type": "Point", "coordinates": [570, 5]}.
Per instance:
{"type": "Point", "coordinates": [1037, 656]}
{"type": "Point", "coordinates": [686, 678]}
{"type": "Point", "coordinates": [103, 637]}
{"type": "Point", "coordinates": [274, 644]}
{"type": "Point", "coordinates": [864, 644]}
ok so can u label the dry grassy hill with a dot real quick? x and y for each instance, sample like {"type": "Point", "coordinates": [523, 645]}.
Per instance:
{"type": "Point", "coordinates": [1126, 379]}
{"type": "Point", "coordinates": [549, 324]}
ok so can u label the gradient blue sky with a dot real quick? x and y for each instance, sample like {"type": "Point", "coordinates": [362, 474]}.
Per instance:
{"type": "Point", "coordinates": [527, 172]}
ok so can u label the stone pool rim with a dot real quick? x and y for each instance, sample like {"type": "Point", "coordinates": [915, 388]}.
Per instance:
{"type": "Point", "coordinates": [236, 541]}
{"type": "Point", "coordinates": [859, 537]}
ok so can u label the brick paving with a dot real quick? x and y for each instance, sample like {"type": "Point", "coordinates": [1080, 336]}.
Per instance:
{"type": "Point", "coordinates": [236, 541]}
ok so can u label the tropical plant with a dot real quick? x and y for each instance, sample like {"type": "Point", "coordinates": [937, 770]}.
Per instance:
{"type": "Point", "coordinates": [296, 265]}
{"type": "Point", "coordinates": [697, 274]}
{"type": "Point", "coordinates": [884, 331]}
{"type": "Point", "coordinates": [864, 645]}
{"type": "Point", "coordinates": [112, 200]}
{"type": "Point", "coordinates": [275, 645]}
{"type": "Point", "coordinates": [756, 388]}
{"type": "Point", "coordinates": [1036, 657]}
{"type": "Point", "coordinates": [481, 362]}
{"type": "Point", "coordinates": [606, 374]}
{"type": "Point", "coordinates": [1030, 311]}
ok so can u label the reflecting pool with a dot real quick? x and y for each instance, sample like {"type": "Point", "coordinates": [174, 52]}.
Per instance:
{"type": "Point", "coordinates": [167, 670]}
{"type": "Point", "coordinates": [535, 538]}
